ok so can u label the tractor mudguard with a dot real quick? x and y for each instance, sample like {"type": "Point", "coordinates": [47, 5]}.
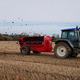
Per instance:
{"type": "Point", "coordinates": [66, 41]}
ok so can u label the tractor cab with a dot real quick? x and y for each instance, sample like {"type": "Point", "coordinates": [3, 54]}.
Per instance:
{"type": "Point", "coordinates": [72, 35]}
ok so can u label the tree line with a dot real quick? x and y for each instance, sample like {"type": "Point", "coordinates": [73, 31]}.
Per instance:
{"type": "Point", "coordinates": [6, 37]}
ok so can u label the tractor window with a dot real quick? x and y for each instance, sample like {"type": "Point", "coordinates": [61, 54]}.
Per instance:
{"type": "Point", "coordinates": [72, 35]}
{"type": "Point", "coordinates": [79, 33]}
{"type": "Point", "coordinates": [64, 35]}
{"type": "Point", "coordinates": [76, 35]}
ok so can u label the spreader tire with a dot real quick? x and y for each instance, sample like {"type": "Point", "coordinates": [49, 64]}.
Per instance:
{"type": "Point", "coordinates": [62, 50]}
{"type": "Point", "coordinates": [25, 50]}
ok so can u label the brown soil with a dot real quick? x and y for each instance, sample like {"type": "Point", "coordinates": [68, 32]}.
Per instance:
{"type": "Point", "coordinates": [44, 66]}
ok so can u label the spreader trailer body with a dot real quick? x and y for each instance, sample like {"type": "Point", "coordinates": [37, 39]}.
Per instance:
{"type": "Point", "coordinates": [35, 44]}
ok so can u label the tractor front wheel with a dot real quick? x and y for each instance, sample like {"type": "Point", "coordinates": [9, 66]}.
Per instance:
{"type": "Point", "coordinates": [62, 50]}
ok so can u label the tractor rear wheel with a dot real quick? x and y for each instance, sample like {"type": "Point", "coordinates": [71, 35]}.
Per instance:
{"type": "Point", "coordinates": [25, 50]}
{"type": "Point", "coordinates": [62, 50]}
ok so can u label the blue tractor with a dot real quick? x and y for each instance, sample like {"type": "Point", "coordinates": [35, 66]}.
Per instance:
{"type": "Point", "coordinates": [69, 44]}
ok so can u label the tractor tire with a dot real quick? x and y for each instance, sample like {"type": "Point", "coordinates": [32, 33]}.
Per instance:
{"type": "Point", "coordinates": [62, 50]}
{"type": "Point", "coordinates": [25, 50]}
{"type": "Point", "coordinates": [36, 52]}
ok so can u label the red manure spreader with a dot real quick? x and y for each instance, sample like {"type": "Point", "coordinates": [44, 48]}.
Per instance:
{"type": "Point", "coordinates": [35, 44]}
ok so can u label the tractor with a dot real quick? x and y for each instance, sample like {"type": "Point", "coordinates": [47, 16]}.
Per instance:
{"type": "Point", "coordinates": [69, 44]}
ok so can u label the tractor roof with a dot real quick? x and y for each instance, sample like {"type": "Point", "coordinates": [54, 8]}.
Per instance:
{"type": "Point", "coordinates": [69, 29]}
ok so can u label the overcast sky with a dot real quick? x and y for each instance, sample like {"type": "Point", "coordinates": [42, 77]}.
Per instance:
{"type": "Point", "coordinates": [47, 16]}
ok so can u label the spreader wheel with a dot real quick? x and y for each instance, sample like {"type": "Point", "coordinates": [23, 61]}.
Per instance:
{"type": "Point", "coordinates": [25, 50]}
{"type": "Point", "coordinates": [62, 50]}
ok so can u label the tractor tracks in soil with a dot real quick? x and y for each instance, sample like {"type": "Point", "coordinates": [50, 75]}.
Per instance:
{"type": "Point", "coordinates": [38, 67]}
{"type": "Point", "coordinates": [42, 58]}
{"type": "Point", "coordinates": [45, 68]}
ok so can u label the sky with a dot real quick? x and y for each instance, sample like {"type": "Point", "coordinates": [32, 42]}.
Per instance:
{"type": "Point", "coordinates": [38, 16]}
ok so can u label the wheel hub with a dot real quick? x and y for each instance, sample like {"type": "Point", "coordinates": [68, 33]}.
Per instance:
{"type": "Point", "coordinates": [23, 51]}
{"type": "Point", "coordinates": [61, 51]}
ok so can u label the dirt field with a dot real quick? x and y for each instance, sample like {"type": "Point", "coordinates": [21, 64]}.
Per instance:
{"type": "Point", "coordinates": [44, 66]}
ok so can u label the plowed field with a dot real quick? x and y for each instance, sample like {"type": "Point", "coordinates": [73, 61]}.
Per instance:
{"type": "Point", "coordinates": [44, 66]}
